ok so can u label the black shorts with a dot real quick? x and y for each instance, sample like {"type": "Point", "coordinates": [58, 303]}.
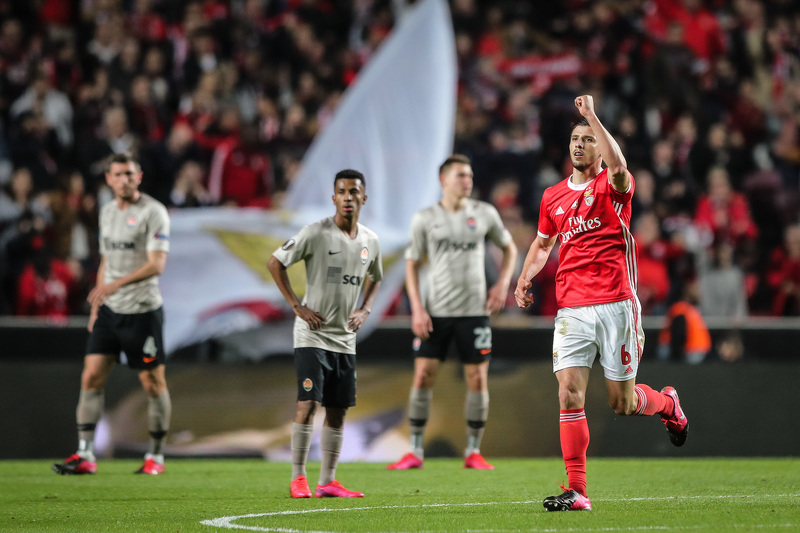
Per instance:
{"type": "Point", "coordinates": [472, 335]}
{"type": "Point", "coordinates": [326, 377]}
{"type": "Point", "coordinates": [139, 335]}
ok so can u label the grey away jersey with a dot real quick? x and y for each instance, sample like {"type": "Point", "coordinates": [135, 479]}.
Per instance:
{"type": "Point", "coordinates": [336, 268]}
{"type": "Point", "coordinates": [125, 238]}
{"type": "Point", "coordinates": [455, 244]}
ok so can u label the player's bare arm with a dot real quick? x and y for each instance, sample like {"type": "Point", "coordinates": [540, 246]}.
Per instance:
{"type": "Point", "coordinates": [278, 271]}
{"type": "Point", "coordinates": [156, 262]}
{"type": "Point", "coordinates": [421, 323]}
{"type": "Point", "coordinates": [496, 299]}
{"type": "Point", "coordinates": [612, 155]}
{"type": "Point", "coordinates": [359, 316]}
{"type": "Point", "coordinates": [101, 272]}
{"type": "Point", "coordinates": [534, 262]}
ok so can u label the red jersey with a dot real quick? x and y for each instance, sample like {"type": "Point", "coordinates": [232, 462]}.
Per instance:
{"type": "Point", "coordinates": [597, 259]}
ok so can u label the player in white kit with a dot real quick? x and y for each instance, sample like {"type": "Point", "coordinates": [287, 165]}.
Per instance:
{"type": "Point", "coordinates": [590, 213]}
{"type": "Point", "coordinates": [452, 236]}
{"type": "Point", "coordinates": [126, 314]}
{"type": "Point", "coordinates": [341, 257]}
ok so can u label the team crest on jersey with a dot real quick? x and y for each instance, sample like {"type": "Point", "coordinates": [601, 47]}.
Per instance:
{"type": "Point", "coordinates": [364, 255]}
{"type": "Point", "coordinates": [555, 358]}
{"type": "Point", "coordinates": [288, 245]}
{"type": "Point", "coordinates": [588, 196]}
{"type": "Point", "coordinates": [416, 343]}
{"type": "Point", "coordinates": [308, 384]}
{"type": "Point", "coordinates": [131, 221]}
{"type": "Point", "coordinates": [471, 223]}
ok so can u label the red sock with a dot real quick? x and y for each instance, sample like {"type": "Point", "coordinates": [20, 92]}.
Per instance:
{"type": "Point", "coordinates": [574, 441]}
{"type": "Point", "coordinates": [652, 402]}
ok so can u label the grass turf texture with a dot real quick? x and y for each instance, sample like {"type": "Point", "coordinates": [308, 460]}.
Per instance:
{"type": "Point", "coordinates": [627, 495]}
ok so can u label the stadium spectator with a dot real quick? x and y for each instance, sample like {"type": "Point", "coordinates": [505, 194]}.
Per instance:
{"type": "Point", "coordinates": [162, 160]}
{"type": "Point", "coordinates": [722, 213]}
{"type": "Point", "coordinates": [18, 53]}
{"type": "Point", "coordinates": [34, 146]}
{"type": "Point", "coordinates": [722, 284]}
{"type": "Point", "coordinates": [114, 138]}
{"type": "Point", "coordinates": [75, 221]}
{"type": "Point", "coordinates": [684, 337]}
{"type": "Point", "coordinates": [52, 105]}
{"type": "Point", "coordinates": [20, 197]}
{"type": "Point", "coordinates": [653, 281]}
{"type": "Point", "coordinates": [125, 67]}
{"type": "Point", "coordinates": [783, 275]}
{"type": "Point", "coordinates": [148, 119]}
{"type": "Point", "coordinates": [189, 190]}
{"type": "Point", "coordinates": [241, 173]}
{"type": "Point", "coordinates": [45, 287]}
{"type": "Point", "coordinates": [721, 147]}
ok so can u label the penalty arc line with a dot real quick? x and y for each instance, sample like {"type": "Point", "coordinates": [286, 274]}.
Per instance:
{"type": "Point", "coordinates": [227, 521]}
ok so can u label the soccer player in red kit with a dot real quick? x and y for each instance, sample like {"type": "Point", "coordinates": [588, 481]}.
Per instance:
{"type": "Point", "coordinates": [590, 212]}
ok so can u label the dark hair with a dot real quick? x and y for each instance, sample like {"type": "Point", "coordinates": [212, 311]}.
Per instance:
{"type": "Point", "coordinates": [350, 174]}
{"type": "Point", "coordinates": [581, 122]}
{"type": "Point", "coordinates": [122, 157]}
{"type": "Point", "coordinates": [453, 159]}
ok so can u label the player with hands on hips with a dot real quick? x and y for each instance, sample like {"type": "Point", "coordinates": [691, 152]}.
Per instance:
{"type": "Point", "coordinates": [342, 259]}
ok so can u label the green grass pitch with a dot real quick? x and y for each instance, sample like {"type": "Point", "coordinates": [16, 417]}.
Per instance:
{"type": "Point", "coordinates": [252, 495]}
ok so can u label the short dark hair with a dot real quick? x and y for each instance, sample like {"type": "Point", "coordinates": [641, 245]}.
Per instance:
{"type": "Point", "coordinates": [453, 159]}
{"type": "Point", "coordinates": [122, 157]}
{"type": "Point", "coordinates": [581, 122]}
{"type": "Point", "coordinates": [350, 174]}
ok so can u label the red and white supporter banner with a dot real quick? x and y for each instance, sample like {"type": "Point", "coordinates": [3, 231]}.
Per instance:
{"type": "Point", "coordinates": [552, 67]}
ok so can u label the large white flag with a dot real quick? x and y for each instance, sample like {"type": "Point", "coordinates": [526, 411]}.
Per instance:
{"type": "Point", "coordinates": [395, 124]}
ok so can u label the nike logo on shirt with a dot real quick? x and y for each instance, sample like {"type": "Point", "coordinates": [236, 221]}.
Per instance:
{"type": "Point", "coordinates": [330, 252]}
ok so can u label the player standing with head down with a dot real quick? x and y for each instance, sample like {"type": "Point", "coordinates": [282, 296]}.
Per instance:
{"type": "Point", "coordinates": [126, 314]}
{"type": "Point", "coordinates": [341, 257]}
{"type": "Point", "coordinates": [590, 213]}
{"type": "Point", "coordinates": [452, 235]}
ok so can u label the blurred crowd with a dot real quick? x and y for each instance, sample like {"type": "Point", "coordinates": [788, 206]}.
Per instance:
{"type": "Point", "coordinates": [221, 98]}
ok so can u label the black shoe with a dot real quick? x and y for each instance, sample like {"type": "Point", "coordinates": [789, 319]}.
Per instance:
{"type": "Point", "coordinates": [570, 500]}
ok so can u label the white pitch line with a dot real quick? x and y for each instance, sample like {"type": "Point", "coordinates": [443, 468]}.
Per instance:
{"type": "Point", "coordinates": [227, 521]}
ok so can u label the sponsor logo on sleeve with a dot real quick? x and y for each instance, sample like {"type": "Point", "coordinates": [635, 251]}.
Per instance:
{"type": "Point", "coordinates": [288, 245]}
